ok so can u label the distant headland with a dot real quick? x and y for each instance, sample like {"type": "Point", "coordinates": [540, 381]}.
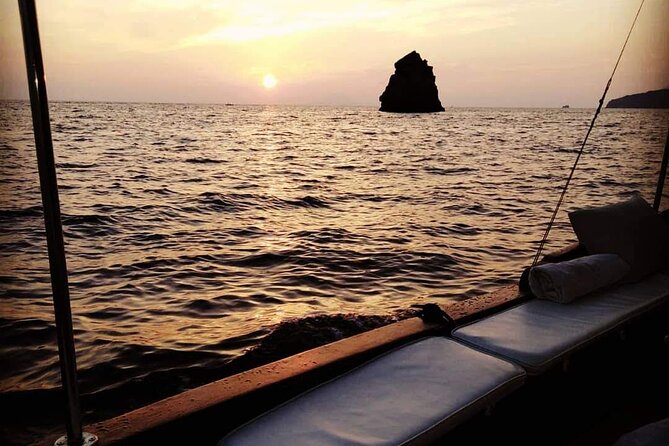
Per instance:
{"type": "Point", "coordinates": [412, 88]}
{"type": "Point", "coordinates": [649, 99]}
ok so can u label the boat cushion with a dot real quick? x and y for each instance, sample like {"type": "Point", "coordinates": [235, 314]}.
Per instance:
{"type": "Point", "coordinates": [538, 333]}
{"type": "Point", "coordinates": [407, 396]}
{"type": "Point", "coordinates": [631, 229]}
{"type": "Point", "coordinates": [652, 434]}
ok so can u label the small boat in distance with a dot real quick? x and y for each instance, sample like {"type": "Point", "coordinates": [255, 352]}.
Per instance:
{"type": "Point", "coordinates": [565, 106]}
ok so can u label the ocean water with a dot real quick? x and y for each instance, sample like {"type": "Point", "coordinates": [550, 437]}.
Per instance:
{"type": "Point", "coordinates": [193, 230]}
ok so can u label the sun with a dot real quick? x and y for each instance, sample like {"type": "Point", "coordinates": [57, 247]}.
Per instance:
{"type": "Point", "coordinates": [269, 81]}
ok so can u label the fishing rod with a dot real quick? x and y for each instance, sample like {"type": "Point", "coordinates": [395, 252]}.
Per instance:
{"type": "Point", "coordinates": [585, 140]}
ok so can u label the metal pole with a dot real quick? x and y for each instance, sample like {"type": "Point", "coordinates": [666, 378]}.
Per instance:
{"type": "Point", "coordinates": [54, 231]}
{"type": "Point", "coordinates": [662, 175]}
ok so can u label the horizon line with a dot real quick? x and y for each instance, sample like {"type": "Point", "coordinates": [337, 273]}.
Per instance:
{"type": "Point", "coordinates": [233, 104]}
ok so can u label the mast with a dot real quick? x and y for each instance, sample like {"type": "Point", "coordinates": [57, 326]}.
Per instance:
{"type": "Point", "coordinates": [39, 105]}
{"type": "Point", "coordinates": [662, 175]}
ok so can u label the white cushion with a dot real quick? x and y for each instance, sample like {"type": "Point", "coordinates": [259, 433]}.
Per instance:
{"type": "Point", "coordinates": [538, 333]}
{"type": "Point", "coordinates": [631, 229]}
{"type": "Point", "coordinates": [406, 396]}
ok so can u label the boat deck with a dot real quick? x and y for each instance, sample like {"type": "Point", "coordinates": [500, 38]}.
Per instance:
{"type": "Point", "coordinates": [604, 391]}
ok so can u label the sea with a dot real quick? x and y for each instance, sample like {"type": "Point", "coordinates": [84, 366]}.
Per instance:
{"type": "Point", "coordinates": [194, 233]}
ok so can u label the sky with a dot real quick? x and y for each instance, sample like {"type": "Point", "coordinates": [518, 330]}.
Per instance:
{"type": "Point", "coordinates": [492, 53]}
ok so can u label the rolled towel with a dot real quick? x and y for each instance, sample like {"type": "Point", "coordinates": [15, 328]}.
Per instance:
{"type": "Point", "coordinates": [565, 281]}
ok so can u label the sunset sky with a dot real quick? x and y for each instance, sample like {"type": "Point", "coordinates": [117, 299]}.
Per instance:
{"type": "Point", "coordinates": [518, 53]}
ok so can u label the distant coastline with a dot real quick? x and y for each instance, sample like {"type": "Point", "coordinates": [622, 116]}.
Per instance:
{"type": "Point", "coordinates": [649, 99]}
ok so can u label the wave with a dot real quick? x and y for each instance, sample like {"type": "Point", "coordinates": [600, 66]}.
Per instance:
{"type": "Point", "coordinates": [88, 219]}
{"type": "Point", "coordinates": [203, 161]}
{"type": "Point", "coordinates": [308, 202]}
{"type": "Point", "coordinates": [567, 149]}
{"type": "Point", "coordinates": [327, 235]}
{"type": "Point", "coordinates": [160, 191]}
{"type": "Point", "coordinates": [76, 165]}
{"type": "Point", "coordinates": [236, 202]}
{"type": "Point", "coordinates": [459, 229]}
{"type": "Point", "coordinates": [450, 171]}
{"type": "Point", "coordinates": [294, 336]}
{"type": "Point", "coordinates": [225, 202]}
{"type": "Point", "coordinates": [89, 225]}
{"type": "Point", "coordinates": [27, 212]}
{"type": "Point", "coordinates": [262, 260]}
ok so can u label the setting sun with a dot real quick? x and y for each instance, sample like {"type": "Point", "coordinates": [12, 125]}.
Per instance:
{"type": "Point", "coordinates": [269, 81]}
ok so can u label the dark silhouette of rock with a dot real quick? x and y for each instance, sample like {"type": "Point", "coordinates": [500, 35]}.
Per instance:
{"type": "Point", "coordinates": [649, 99]}
{"type": "Point", "coordinates": [412, 88]}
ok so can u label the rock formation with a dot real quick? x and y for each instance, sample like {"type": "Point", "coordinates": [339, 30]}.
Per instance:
{"type": "Point", "coordinates": [412, 88]}
{"type": "Point", "coordinates": [649, 99]}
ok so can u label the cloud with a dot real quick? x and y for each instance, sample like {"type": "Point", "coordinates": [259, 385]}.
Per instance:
{"type": "Point", "coordinates": [269, 20]}
{"type": "Point", "coordinates": [262, 23]}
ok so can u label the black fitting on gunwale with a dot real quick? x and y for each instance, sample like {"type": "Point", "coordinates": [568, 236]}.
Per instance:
{"type": "Point", "coordinates": [433, 314]}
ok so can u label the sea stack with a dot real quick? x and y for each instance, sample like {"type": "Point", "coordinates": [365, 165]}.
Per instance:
{"type": "Point", "coordinates": [412, 88]}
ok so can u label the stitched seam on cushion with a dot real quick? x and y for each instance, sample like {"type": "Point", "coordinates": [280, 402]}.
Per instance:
{"type": "Point", "coordinates": [497, 355]}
